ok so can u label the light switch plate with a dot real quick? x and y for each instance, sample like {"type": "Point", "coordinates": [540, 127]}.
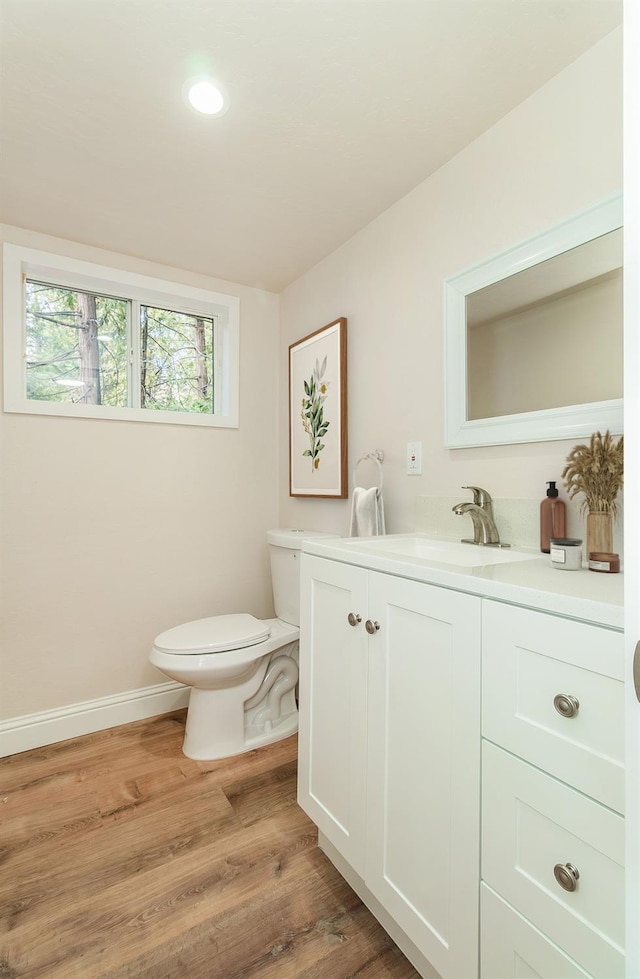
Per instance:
{"type": "Point", "coordinates": [414, 458]}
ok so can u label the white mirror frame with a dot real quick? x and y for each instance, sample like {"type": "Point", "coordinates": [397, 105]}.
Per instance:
{"type": "Point", "coordinates": [574, 421]}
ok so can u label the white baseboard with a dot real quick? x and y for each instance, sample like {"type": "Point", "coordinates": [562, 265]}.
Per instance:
{"type": "Point", "coordinates": [49, 726]}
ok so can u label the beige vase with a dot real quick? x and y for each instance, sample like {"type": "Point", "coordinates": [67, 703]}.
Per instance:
{"type": "Point", "coordinates": [599, 532]}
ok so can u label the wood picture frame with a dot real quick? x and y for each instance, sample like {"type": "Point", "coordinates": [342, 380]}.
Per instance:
{"type": "Point", "coordinates": [318, 413]}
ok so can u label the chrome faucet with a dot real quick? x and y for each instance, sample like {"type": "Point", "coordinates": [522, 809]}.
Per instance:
{"type": "Point", "coordinates": [485, 532]}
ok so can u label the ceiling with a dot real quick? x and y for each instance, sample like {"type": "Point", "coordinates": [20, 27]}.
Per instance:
{"type": "Point", "coordinates": [337, 109]}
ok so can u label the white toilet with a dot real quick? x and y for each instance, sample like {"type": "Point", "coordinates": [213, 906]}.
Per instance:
{"type": "Point", "coordinates": [243, 671]}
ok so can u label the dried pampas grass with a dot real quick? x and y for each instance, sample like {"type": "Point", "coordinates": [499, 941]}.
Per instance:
{"type": "Point", "coordinates": [595, 470]}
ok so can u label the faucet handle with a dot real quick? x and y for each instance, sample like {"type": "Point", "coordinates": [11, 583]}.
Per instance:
{"type": "Point", "coordinates": [481, 497]}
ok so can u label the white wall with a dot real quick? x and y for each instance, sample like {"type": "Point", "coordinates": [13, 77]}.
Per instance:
{"type": "Point", "coordinates": [556, 154]}
{"type": "Point", "coordinates": [114, 531]}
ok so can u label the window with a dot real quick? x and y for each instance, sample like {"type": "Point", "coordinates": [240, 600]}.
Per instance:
{"type": "Point", "coordinates": [87, 340]}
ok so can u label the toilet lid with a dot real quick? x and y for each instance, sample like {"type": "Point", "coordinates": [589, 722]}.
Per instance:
{"type": "Point", "coordinates": [214, 635]}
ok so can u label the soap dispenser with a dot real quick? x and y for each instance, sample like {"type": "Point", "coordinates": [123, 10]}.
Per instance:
{"type": "Point", "coordinates": [552, 518]}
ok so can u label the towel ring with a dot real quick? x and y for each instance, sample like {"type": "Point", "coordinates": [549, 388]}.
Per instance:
{"type": "Point", "coordinates": [376, 456]}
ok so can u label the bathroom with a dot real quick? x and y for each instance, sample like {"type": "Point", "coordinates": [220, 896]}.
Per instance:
{"type": "Point", "coordinates": [115, 532]}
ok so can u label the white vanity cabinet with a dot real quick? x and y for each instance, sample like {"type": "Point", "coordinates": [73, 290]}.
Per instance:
{"type": "Point", "coordinates": [552, 892]}
{"type": "Point", "coordinates": [390, 749]}
{"type": "Point", "coordinates": [462, 753]}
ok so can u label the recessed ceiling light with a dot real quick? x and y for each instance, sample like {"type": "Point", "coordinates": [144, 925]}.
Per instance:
{"type": "Point", "coordinates": [207, 98]}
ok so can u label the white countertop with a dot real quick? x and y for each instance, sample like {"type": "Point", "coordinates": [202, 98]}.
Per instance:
{"type": "Point", "coordinates": [532, 582]}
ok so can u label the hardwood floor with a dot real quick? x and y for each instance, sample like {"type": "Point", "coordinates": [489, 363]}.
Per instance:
{"type": "Point", "coordinates": [119, 857]}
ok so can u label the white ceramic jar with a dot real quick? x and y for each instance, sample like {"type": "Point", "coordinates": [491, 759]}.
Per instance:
{"type": "Point", "coordinates": [566, 553]}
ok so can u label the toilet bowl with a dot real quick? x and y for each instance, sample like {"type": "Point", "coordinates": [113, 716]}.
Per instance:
{"type": "Point", "coordinates": [225, 677]}
{"type": "Point", "coordinates": [242, 671]}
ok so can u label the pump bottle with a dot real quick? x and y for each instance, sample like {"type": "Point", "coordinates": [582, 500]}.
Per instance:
{"type": "Point", "coordinates": [552, 518]}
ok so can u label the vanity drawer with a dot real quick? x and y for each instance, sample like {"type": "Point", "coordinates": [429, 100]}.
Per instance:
{"type": "Point", "coordinates": [533, 824]}
{"type": "Point", "coordinates": [528, 660]}
{"type": "Point", "coordinates": [510, 947]}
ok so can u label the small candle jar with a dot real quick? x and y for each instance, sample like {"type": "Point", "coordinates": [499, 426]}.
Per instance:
{"type": "Point", "coordinates": [604, 561]}
{"type": "Point", "coordinates": [566, 553]}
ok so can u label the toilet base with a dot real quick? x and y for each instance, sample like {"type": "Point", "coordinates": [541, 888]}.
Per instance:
{"type": "Point", "coordinates": [198, 751]}
{"type": "Point", "coordinates": [286, 727]}
{"type": "Point", "coordinates": [263, 709]}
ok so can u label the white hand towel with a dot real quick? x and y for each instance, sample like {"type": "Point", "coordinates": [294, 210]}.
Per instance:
{"type": "Point", "coordinates": [367, 512]}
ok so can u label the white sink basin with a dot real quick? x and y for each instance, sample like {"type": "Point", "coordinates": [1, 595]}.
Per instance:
{"type": "Point", "coordinates": [442, 551]}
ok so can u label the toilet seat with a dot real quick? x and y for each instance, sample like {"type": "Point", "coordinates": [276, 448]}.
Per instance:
{"type": "Point", "coordinates": [217, 634]}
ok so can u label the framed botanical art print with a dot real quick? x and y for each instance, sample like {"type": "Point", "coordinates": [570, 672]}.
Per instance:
{"type": "Point", "coordinates": [318, 413]}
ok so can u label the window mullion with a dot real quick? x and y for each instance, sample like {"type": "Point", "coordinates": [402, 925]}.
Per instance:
{"type": "Point", "coordinates": [218, 368]}
{"type": "Point", "coordinates": [133, 379]}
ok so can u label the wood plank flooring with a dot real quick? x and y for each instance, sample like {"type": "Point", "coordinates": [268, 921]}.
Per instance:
{"type": "Point", "coordinates": [119, 857]}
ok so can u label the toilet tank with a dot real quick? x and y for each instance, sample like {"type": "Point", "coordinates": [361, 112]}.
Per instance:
{"type": "Point", "coordinates": [284, 555]}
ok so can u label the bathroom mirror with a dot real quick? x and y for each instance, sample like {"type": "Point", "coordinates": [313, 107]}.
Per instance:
{"type": "Point", "coordinates": [533, 337]}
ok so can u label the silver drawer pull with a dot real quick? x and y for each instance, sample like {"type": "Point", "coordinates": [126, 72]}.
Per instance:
{"type": "Point", "coordinates": [372, 627]}
{"type": "Point", "coordinates": [566, 705]}
{"type": "Point", "coordinates": [567, 875]}
{"type": "Point", "coordinates": [354, 619]}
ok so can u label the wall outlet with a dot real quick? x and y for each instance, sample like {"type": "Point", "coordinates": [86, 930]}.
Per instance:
{"type": "Point", "coordinates": [414, 458]}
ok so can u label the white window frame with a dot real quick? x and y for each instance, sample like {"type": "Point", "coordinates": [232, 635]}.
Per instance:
{"type": "Point", "coordinates": [26, 263]}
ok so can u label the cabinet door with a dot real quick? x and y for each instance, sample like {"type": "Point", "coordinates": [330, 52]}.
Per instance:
{"type": "Point", "coordinates": [333, 703]}
{"type": "Point", "coordinates": [423, 773]}
{"type": "Point", "coordinates": [530, 658]}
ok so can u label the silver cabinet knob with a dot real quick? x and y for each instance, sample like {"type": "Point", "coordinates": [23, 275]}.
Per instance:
{"type": "Point", "coordinates": [567, 875]}
{"type": "Point", "coordinates": [566, 705]}
{"type": "Point", "coordinates": [354, 619]}
{"type": "Point", "coordinates": [372, 627]}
